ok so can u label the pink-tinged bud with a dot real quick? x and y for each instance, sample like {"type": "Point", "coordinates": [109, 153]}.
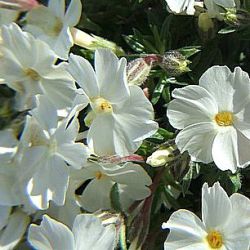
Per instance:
{"type": "Point", "coordinates": [20, 5]}
{"type": "Point", "coordinates": [117, 159]}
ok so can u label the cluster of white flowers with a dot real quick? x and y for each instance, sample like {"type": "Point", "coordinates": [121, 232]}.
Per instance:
{"type": "Point", "coordinates": [42, 167]}
{"type": "Point", "coordinates": [53, 169]}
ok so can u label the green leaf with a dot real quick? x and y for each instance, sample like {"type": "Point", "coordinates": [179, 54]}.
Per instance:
{"type": "Point", "coordinates": [134, 43]}
{"type": "Point", "coordinates": [189, 50]}
{"type": "Point", "coordinates": [227, 30]}
{"type": "Point", "coordinates": [157, 92]}
{"type": "Point", "coordinates": [115, 198]}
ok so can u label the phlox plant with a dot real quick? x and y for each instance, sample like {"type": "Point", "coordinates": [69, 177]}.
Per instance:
{"type": "Point", "coordinates": [125, 124]}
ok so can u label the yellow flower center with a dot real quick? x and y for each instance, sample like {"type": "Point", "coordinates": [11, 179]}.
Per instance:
{"type": "Point", "coordinates": [32, 74]}
{"type": "Point", "coordinates": [224, 118]}
{"type": "Point", "coordinates": [99, 175]}
{"type": "Point", "coordinates": [214, 239]}
{"type": "Point", "coordinates": [101, 105]}
{"type": "Point", "coordinates": [57, 27]}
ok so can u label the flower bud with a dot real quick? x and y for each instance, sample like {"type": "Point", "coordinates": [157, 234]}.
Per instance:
{"type": "Point", "coordinates": [205, 23]}
{"type": "Point", "coordinates": [92, 42]}
{"type": "Point", "coordinates": [174, 63]}
{"type": "Point", "coordinates": [230, 17]}
{"type": "Point", "coordinates": [236, 17]}
{"type": "Point", "coordinates": [161, 157]}
{"type": "Point", "coordinates": [21, 5]}
{"type": "Point", "coordinates": [138, 70]}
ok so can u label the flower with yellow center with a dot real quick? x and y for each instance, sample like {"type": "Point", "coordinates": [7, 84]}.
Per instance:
{"type": "Point", "coordinates": [53, 24]}
{"type": "Point", "coordinates": [214, 118]}
{"type": "Point", "coordinates": [27, 66]}
{"type": "Point", "coordinates": [117, 109]}
{"type": "Point", "coordinates": [225, 223]}
{"type": "Point", "coordinates": [131, 179]}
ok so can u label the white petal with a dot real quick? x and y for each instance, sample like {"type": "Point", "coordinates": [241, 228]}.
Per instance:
{"type": "Point", "coordinates": [192, 139]}
{"type": "Point", "coordinates": [130, 174]}
{"type": "Point", "coordinates": [96, 195]}
{"type": "Point", "coordinates": [128, 131]}
{"type": "Point", "coordinates": [179, 6]}
{"type": "Point", "coordinates": [8, 194]}
{"type": "Point", "coordinates": [84, 75]}
{"type": "Point", "coordinates": [73, 13]}
{"type": "Point", "coordinates": [57, 7]}
{"type": "Point", "coordinates": [4, 215]}
{"type": "Point", "coordinates": [101, 135]}
{"type": "Point", "coordinates": [51, 235]}
{"type": "Point", "coordinates": [216, 206]}
{"type": "Point", "coordinates": [18, 42]}
{"type": "Point", "coordinates": [217, 80]}
{"type": "Point", "coordinates": [186, 230]}
{"type": "Point", "coordinates": [14, 231]}
{"type": "Point", "coordinates": [111, 76]}
{"type": "Point", "coordinates": [62, 44]}
{"type": "Point", "coordinates": [74, 154]}
{"type": "Point", "coordinates": [242, 89]}
{"type": "Point", "coordinates": [225, 149]}
{"type": "Point", "coordinates": [242, 121]}
{"type": "Point", "coordinates": [243, 146]}
{"type": "Point", "coordinates": [89, 233]}
{"type": "Point", "coordinates": [60, 91]}
{"type": "Point", "coordinates": [237, 230]}
{"type": "Point", "coordinates": [50, 182]}
{"type": "Point", "coordinates": [193, 104]}
{"type": "Point", "coordinates": [45, 109]}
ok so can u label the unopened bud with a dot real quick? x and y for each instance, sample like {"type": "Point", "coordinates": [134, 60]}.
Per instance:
{"type": "Point", "coordinates": [174, 63]}
{"type": "Point", "coordinates": [230, 17]}
{"type": "Point", "coordinates": [205, 23]}
{"type": "Point", "coordinates": [21, 5]}
{"type": "Point", "coordinates": [236, 17]}
{"type": "Point", "coordinates": [162, 156]}
{"type": "Point", "coordinates": [138, 70]}
{"type": "Point", "coordinates": [92, 42]}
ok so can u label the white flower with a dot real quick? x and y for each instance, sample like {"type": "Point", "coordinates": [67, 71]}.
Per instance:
{"type": "Point", "coordinates": [87, 233]}
{"type": "Point", "coordinates": [52, 24]}
{"type": "Point", "coordinates": [28, 66]}
{"type": "Point", "coordinates": [49, 149]}
{"type": "Point", "coordinates": [182, 6]}
{"type": "Point", "coordinates": [214, 118]}
{"type": "Point", "coordinates": [12, 227]}
{"type": "Point", "coordinates": [121, 115]}
{"type": "Point", "coordinates": [225, 223]}
{"type": "Point", "coordinates": [132, 180]}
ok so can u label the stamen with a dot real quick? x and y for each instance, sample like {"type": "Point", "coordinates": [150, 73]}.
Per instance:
{"type": "Point", "coordinates": [101, 105]}
{"type": "Point", "coordinates": [224, 118]}
{"type": "Point", "coordinates": [32, 74]}
{"type": "Point", "coordinates": [214, 239]}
